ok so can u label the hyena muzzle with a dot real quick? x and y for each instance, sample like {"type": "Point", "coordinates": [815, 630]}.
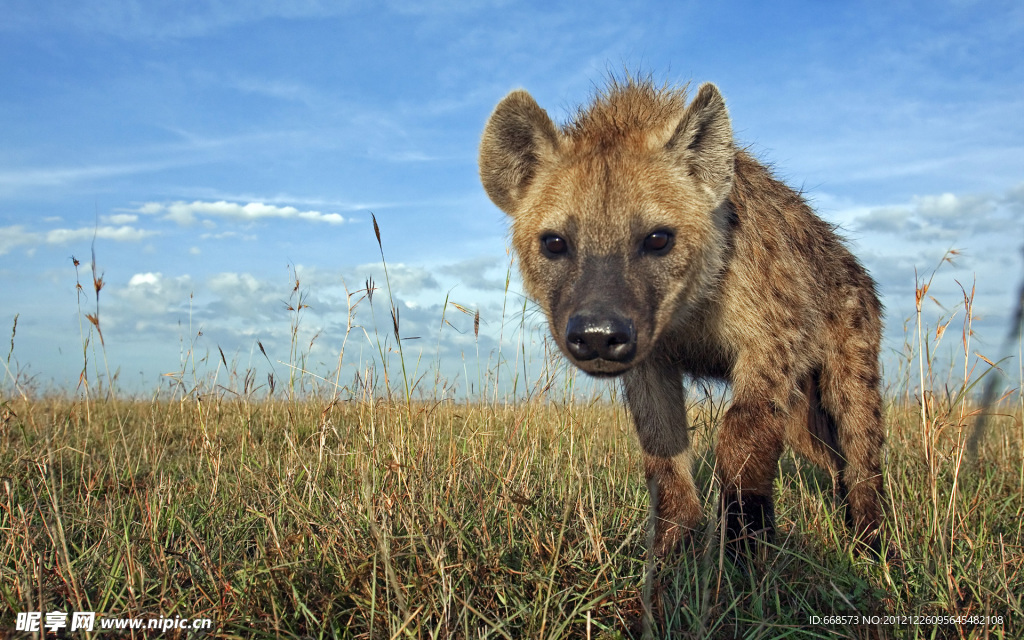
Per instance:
{"type": "Point", "coordinates": [658, 249]}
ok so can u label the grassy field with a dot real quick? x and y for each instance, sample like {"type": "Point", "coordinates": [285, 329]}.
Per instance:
{"type": "Point", "coordinates": [365, 514]}
{"type": "Point", "coordinates": [373, 519]}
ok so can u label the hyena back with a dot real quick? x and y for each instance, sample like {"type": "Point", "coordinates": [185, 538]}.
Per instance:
{"type": "Point", "coordinates": [657, 249]}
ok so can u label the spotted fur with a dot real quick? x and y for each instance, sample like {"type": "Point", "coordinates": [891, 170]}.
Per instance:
{"type": "Point", "coordinates": [756, 290]}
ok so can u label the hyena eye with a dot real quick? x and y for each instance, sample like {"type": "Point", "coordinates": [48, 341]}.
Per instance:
{"type": "Point", "coordinates": [658, 242]}
{"type": "Point", "coordinates": [552, 245]}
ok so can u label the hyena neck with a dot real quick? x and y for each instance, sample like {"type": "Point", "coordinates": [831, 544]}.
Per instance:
{"type": "Point", "coordinates": [694, 343]}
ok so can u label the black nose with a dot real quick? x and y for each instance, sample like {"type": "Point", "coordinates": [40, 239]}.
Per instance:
{"type": "Point", "coordinates": [589, 336]}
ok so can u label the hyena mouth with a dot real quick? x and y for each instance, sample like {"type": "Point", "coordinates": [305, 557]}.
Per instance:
{"type": "Point", "coordinates": [601, 344]}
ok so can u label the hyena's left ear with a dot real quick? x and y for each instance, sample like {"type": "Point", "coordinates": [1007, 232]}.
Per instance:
{"type": "Point", "coordinates": [702, 142]}
{"type": "Point", "coordinates": [518, 137]}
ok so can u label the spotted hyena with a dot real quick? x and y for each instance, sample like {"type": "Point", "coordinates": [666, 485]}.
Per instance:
{"type": "Point", "coordinates": [658, 249]}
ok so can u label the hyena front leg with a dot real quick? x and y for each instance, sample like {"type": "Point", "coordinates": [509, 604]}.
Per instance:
{"type": "Point", "coordinates": [750, 443]}
{"type": "Point", "coordinates": [655, 397]}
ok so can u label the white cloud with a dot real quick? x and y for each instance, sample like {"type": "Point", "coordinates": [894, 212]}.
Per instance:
{"type": "Point", "coordinates": [409, 280]}
{"type": "Point", "coordinates": [242, 296]}
{"type": "Point", "coordinates": [15, 236]}
{"type": "Point", "coordinates": [151, 208]}
{"type": "Point", "coordinates": [299, 200]}
{"type": "Point", "coordinates": [473, 273]}
{"type": "Point", "coordinates": [1014, 199]}
{"type": "Point", "coordinates": [945, 216]}
{"type": "Point", "coordinates": [120, 218]}
{"type": "Point", "coordinates": [144, 279]}
{"type": "Point", "coordinates": [123, 233]}
{"type": "Point", "coordinates": [224, 235]}
{"type": "Point", "coordinates": [228, 303]}
{"type": "Point", "coordinates": [150, 294]}
{"type": "Point", "coordinates": [233, 282]}
{"type": "Point", "coordinates": [187, 212]}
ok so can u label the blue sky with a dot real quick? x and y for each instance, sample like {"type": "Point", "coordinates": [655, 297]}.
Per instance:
{"type": "Point", "coordinates": [214, 147]}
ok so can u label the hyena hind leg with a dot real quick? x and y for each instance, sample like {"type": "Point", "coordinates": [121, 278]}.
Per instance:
{"type": "Point", "coordinates": [656, 400]}
{"type": "Point", "coordinates": [812, 433]}
{"type": "Point", "coordinates": [853, 400]}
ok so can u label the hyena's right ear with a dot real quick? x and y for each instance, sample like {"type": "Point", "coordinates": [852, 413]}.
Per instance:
{"type": "Point", "coordinates": [518, 137]}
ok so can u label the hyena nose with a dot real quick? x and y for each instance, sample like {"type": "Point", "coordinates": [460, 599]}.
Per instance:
{"type": "Point", "coordinates": [611, 338]}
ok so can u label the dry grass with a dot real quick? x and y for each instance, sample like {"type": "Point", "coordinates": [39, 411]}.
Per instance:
{"type": "Point", "coordinates": [367, 514]}
{"type": "Point", "coordinates": [305, 519]}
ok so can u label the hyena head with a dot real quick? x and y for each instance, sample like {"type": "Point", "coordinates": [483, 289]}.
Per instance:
{"type": "Point", "coordinates": [619, 218]}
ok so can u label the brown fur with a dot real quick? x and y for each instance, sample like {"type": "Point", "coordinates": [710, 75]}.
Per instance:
{"type": "Point", "coordinates": [754, 289]}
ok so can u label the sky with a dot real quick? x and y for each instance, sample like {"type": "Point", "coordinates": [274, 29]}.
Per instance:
{"type": "Point", "coordinates": [213, 153]}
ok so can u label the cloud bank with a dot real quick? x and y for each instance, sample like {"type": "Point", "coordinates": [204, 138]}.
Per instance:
{"type": "Point", "coordinates": [188, 212]}
{"type": "Point", "coordinates": [945, 217]}
{"type": "Point", "coordinates": [16, 236]}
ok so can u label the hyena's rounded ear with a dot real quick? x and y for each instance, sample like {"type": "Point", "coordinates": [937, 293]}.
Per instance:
{"type": "Point", "coordinates": [518, 137]}
{"type": "Point", "coordinates": [702, 142]}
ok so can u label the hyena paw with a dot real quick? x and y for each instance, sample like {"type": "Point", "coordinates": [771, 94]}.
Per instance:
{"type": "Point", "coordinates": [673, 539]}
{"type": "Point", "coordinates": [667, 539]}
{"type": "Point", "coordinates": [748, 520]}
{"type": "Point", "coordinates": [869, 544]}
